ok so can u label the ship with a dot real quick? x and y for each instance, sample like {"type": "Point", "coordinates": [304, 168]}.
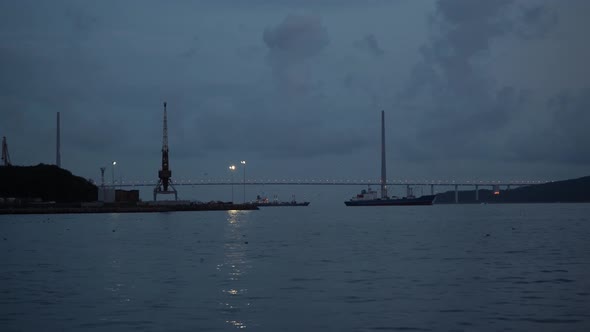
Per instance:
{"type": "Point", "coordinates": [369, 197]}
{"type": "Point", "coordinates": [263, 201]}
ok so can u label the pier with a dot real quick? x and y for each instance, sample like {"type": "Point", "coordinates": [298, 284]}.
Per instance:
{"type": "Point", "coordinates": [48, 209]}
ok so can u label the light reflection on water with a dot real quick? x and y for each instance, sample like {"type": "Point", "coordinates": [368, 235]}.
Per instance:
{"type": "Point", "coordinates": [235, 267]}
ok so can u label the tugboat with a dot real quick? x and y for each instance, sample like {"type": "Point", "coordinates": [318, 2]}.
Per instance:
{"type": "Point", "coordinates": [263, 201]}
{"type": "Point", "coordinates": [371, 198]}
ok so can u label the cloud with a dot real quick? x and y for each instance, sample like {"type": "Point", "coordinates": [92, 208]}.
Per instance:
{"type": "Point", "coordinates": [536, 22]}
{"type": "Point", "coordinates": [459, 106]}
{"type": "Point", "coordinates": [564, 135]}
{"type": "Point", "coordinates": [370, 44]}
{"type": "Point", "coordinates": [192, 48]}
{"type": "Point", "coordinates": [81, 22]}
{"type": "Point", "coordinates": [291, 45]}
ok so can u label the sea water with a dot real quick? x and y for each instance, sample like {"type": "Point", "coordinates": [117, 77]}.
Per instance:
{"type": "Point", "coordinates": [317, 268]}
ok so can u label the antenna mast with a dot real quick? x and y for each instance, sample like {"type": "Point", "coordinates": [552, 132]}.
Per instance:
{"type": "Point", "coordinates": [5, 154]}
{"type": "Point", "coordinates": [383, 167]}
{"type": "Point", "coordinates": [165, 173]}
{"type": "Point", "coordinates": [58, 145]}
{"type": "Point", "coordinates": [102, 169]}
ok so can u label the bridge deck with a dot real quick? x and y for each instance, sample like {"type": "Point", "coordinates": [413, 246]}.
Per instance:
{"type": "Point", "coordinates": [333, 183]}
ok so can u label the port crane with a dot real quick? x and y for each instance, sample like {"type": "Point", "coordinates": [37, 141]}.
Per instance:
{"type": "Point", "coordinates": [164, 185]}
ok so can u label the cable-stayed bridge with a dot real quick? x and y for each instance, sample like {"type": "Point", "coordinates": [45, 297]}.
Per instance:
{"type": "Point", "coordinates": [476, 184]}
{"type": "Point", "coordinates": [329, 182]}
{"type": "Point", "coordinates": [165, 180]}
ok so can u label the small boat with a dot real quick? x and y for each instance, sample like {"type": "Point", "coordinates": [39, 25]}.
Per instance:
{"type": "Point", "coordinates": [263, 201]}
{"type": "Point", "coordinates": [372, 198]}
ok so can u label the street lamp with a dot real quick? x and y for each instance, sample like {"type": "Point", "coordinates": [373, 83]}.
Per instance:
{"type": "Point", "coordinates": [113, 174]}
{"type": "Point", "coordinates": [232, 168]}
{"type": "Point", "coordinates": [243, 162]}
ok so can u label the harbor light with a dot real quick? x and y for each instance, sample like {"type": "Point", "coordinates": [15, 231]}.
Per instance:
{"type": "Point", "coordinates": [113, 173]}
{"type": "Point", "coordinates": [243, 162]}
{"type": "Point", "coordinates": [232, 168]}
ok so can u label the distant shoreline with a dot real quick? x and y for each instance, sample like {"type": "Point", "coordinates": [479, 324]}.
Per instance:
{"type": "Point", "coordinates": [502, 203]}
{"type": "Point", "coordinates": [565, 191]}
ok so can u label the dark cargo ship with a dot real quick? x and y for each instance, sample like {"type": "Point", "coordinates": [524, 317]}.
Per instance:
{"type": "Point", "coordinates": [370, 197]}
{"type": "Point", "coordinates": [260, 201]}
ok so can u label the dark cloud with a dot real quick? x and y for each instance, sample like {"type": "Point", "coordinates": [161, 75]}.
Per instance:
{"type": "Point", "coordinates": [192, 48]}
{"type": "Point", "coordinates": [564, 136]}
{"type": "Point", "coordinates": [536, 21]}
{"type": "Point", "coordinates": [458, 92]}
{"type": "Point", "coordinates": [370, 44]}
{"type": "Point", "coordinates": [297, 38]}
{"type": "Point", "coordinates": [462, 112]}
{"type": "Point", "coordinates": [291, 45]}
{"type": "Point", "coordinates": [82, 23]}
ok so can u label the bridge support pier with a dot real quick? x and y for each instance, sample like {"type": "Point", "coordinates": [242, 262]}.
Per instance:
{"type": "Point", "coordinates": [456, 193]}
{"type": "Point", "coordinates": [432, 189]}
{"type": "Point", "coordinates": [476, 193]}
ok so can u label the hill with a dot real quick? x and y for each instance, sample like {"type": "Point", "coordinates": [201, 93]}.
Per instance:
{"type": "Point", "coordinates": [48, 182]}
{"type": "Point", "coordinates": [570, 191]}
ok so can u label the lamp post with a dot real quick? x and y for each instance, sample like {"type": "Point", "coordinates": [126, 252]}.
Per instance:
{"type": "Point", "coordinates": [243, 162]}
{"type": "Point", "coordinates": [113, 173]}
{"type": "Point", "coordinates": [232, 168]}
{"type": "Point", "coordinates": [102, 197]}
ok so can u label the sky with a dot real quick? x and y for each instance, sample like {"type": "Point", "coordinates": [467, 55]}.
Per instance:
{"type": "Point", "coordinates": [472, 90]}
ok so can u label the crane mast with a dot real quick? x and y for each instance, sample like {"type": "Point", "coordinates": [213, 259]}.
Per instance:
{"type": "Point", "coordinates": [165, 174]}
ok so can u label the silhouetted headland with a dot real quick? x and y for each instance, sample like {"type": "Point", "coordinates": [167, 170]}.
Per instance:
{"type": "Point", "coordinates": [566, 191]}
{"type": "Point", "coordinates": [45, 183]}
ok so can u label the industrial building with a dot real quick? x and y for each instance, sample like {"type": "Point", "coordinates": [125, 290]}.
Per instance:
{"type": "Point", "coordinates": [110, 195]}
